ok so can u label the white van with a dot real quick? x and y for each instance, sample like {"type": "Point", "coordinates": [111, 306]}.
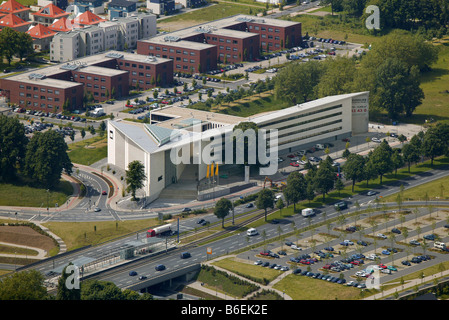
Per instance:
{"type": "Point", "coordinates": [252, 232]}
{"type": "Point", "coordinates": [439, 245]}
{"type": "Point", "coordinates": [307, 212]}
{"type": "Point", "coordinates": [319, 146]}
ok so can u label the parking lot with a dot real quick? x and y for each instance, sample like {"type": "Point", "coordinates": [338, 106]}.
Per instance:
{"type": "Point", "coordinates": [357, 252]}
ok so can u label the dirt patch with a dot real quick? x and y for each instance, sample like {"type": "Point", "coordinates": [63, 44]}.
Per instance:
{"type": "Point", "coordinates": [25, 236]}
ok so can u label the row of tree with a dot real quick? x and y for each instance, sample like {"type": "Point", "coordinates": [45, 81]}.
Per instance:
{"type": "Point", "coordinates": [13, 288]}
{"type": "Point", "coordinates": [15, 43]}
{"type": "Point", "coordinates": [41, 159]}
{"type": "Point", "coordinates": [384, 159]}
{"type": "Point", "coordinates": [323, 178]}
{"type": "Point", "coordinates": [390, 71]}
{"type": "Point", "coordinates": [410, 15]}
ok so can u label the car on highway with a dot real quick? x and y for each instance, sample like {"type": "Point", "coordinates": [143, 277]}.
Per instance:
{"type": "Point", "coordinates": [185, 255]}
{"type": "Point", "coordinates": [142, 277]}
{"type": "Point", "coordinates": [371, 193]}
{"type": "Point", "coordinates": [97, 209]}
{"type": "Point", "coordinates": [133, 273]}
{"type": "Point", "coordinates": [250, 205]}
{"type": "Point", "coordinates": [160, 267]}
{"type": "Point", "coordinates": [186, 210]}
{"type": "Point", "coordinates": [341, 205]}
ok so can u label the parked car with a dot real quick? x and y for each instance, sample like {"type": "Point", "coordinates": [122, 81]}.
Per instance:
{"type": "Point", "coordinates": [381, 235]}
{"type": "Point", "coordinates": [406, 263]}
{"type": "Point", "coordinates": [396, 230]}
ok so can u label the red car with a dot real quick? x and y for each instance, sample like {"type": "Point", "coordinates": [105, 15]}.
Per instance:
{"type": "Point", "coordinates": [129, 106]}
{"type": "Point", "coordinates": [382, 266]}
{"type": "Point", "coordinates": [327, 266]}
{"type": "Point", "coordinates": [265, 253]}
{"type": "Point", "coordinates": [346, 140]}
{"type": "Point", "coordinates": [104, 193]}
{"type": "Point", "coordinates": [291, 156]}
{"type": "Point", "coordinates": [294, 164]}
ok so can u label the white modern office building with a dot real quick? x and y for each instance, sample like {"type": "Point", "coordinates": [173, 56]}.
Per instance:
{"type": "Point", "coordinates": [178, 142]}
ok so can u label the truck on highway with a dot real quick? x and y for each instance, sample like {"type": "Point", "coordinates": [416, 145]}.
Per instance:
{"type": "Point", "coordinates": [159, 230]}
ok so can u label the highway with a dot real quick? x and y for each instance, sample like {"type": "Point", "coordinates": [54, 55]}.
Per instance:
{"type": "Point", "coordinates": [236, 241]}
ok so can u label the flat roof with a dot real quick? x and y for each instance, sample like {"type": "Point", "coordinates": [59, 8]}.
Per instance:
{"type": "Point", "coordinates": [102, 71]}
{"type": "Point", "coordinates": [221, 26]}
{"type": "Point", "coordinates": [182, 116]}
{"type": "Point", "coordinates": [84, 64]}
{"type": "Point", "coordinates": [268, 116]}
{"type": "Point", "coordinates": [180, 43]}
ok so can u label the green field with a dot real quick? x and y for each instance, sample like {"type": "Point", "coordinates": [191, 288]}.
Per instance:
{"type": "Point", "coordinates": [209, 13]}
{"type": "Point", "coordinates": [88, 151]}
{"type": "Point", "coordinates": [435, 85]}
{"type": "Point", "coordinates": [79, 234]}
{"type": "Point", "coordinates": [23, 195]}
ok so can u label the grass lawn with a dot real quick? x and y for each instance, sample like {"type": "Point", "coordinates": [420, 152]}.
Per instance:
{"type": "Point", "coordinates": [305, 288]}
{"type": "Point", "coordinates": [79, 234]}
{"type": "Point", "coordinates": [250, 271]}
{"type": "Point", "coordinates": [435, 190]}
{"type": "Point", "coordinates": [435, 85]}
{"type": "Point", "coordinates": [209, 13]}
{"type": "Point", "coordinates": [88, 151]}
{"type": "Point", "coordinates": [222, 282]}
{"type": "Point", "coordinates": [23, 195]}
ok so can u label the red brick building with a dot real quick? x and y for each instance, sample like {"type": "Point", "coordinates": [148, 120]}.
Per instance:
{"type": "Point", "coordinates": [230, 40]}
{"type": "Point", "coordinates": [104, 76]}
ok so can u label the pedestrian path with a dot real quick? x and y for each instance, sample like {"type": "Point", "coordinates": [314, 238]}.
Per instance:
{"type": "Point", "coordinates": [41, 254]}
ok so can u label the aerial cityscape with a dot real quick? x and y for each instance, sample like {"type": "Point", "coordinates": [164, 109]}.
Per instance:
{"type": "Point", "coordinates": [228, 150]}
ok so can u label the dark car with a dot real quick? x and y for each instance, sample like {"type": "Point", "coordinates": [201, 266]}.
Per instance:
{"type": "Point", "coordinates": [341, 205]}
{"type": "Point", "coordinates": [406, 263]}
{"type": "Point", "coordinates": [160, 267]}
{"type": "Point", "coordinates": [185, 255]}
{"type": "Point", "coordinates": [186, 210]}
{"type": "Point", "coordinates": [297, 271]}
{"type": "Point", "coordinates": [142, 277]}
{"type": "Point", "coordinates": [430, 237]}
{"type": "Point", "coordinates": [416, 260]}
{"type": "Point", "coordinates": [396, 230]}
{"type": "Point", "coordinates": [133, 273]}
{"type": "Point", "coordinates": [250, 205]}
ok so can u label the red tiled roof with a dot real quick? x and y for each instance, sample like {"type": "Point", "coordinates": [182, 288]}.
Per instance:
{"type": "Point", "coordinates": [12, 6]}
{"type": "Point", "coordinates": [40, 31]}
{"type": "Point", "coordinates": [12, 21]}
{"type": "Point", "coordinates": [87, 18]}
{"type": "Point", "coordinates": [51, 11]}
{"type": "Point", "coordinates": [61, 25]}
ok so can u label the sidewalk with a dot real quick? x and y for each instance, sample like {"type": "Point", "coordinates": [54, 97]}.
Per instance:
{"type": "Point", "coordinates": [408, 285]}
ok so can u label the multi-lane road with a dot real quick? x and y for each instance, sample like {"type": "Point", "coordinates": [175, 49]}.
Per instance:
{"type": "Point", "coordinates": [235, 241]}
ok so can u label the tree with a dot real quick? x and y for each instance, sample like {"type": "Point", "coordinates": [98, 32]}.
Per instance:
{"type": "Point", "coordinates": [337, 78]}
{"type": "Point", "coordinates": [8, 43]}
{"type": "Point", "coordinates": [410, 152]}
{"type": "Point", "coordinates": [65, 293]}
{"type": "Point", "coordinates": [265, 200]}
{"type": "Point", "coordinates": [296, 189]}
{"type": "Point", "coordinates": [325, 178]}
{"type": "Point", "coordinates": [135, 177]}
{"type": "Point", "coordinates": [46, 157]}
{"type": "Point", "coordinates": [354, 168]}
{"type": "Point", "coordinates": [397, 88]}
{"type": "Point", "coordinates": [222, 208]}
{"type": "Point", "coordinates": [435, 142]}
{"type": "Point", "coordinates": [296, 82]}
{"type": "Point", "coordinates": [381, 159]}
{"type": "Point", "coordinates": [397, 160]}
{"type": "Point", "coordinates": [280, 204]}
{"type": "Point", "coordinates": [24, 45]}
{"type": "Point", "coordinates": [23, 285]}
{"type": "Point", "coordinates": [13, 144]}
